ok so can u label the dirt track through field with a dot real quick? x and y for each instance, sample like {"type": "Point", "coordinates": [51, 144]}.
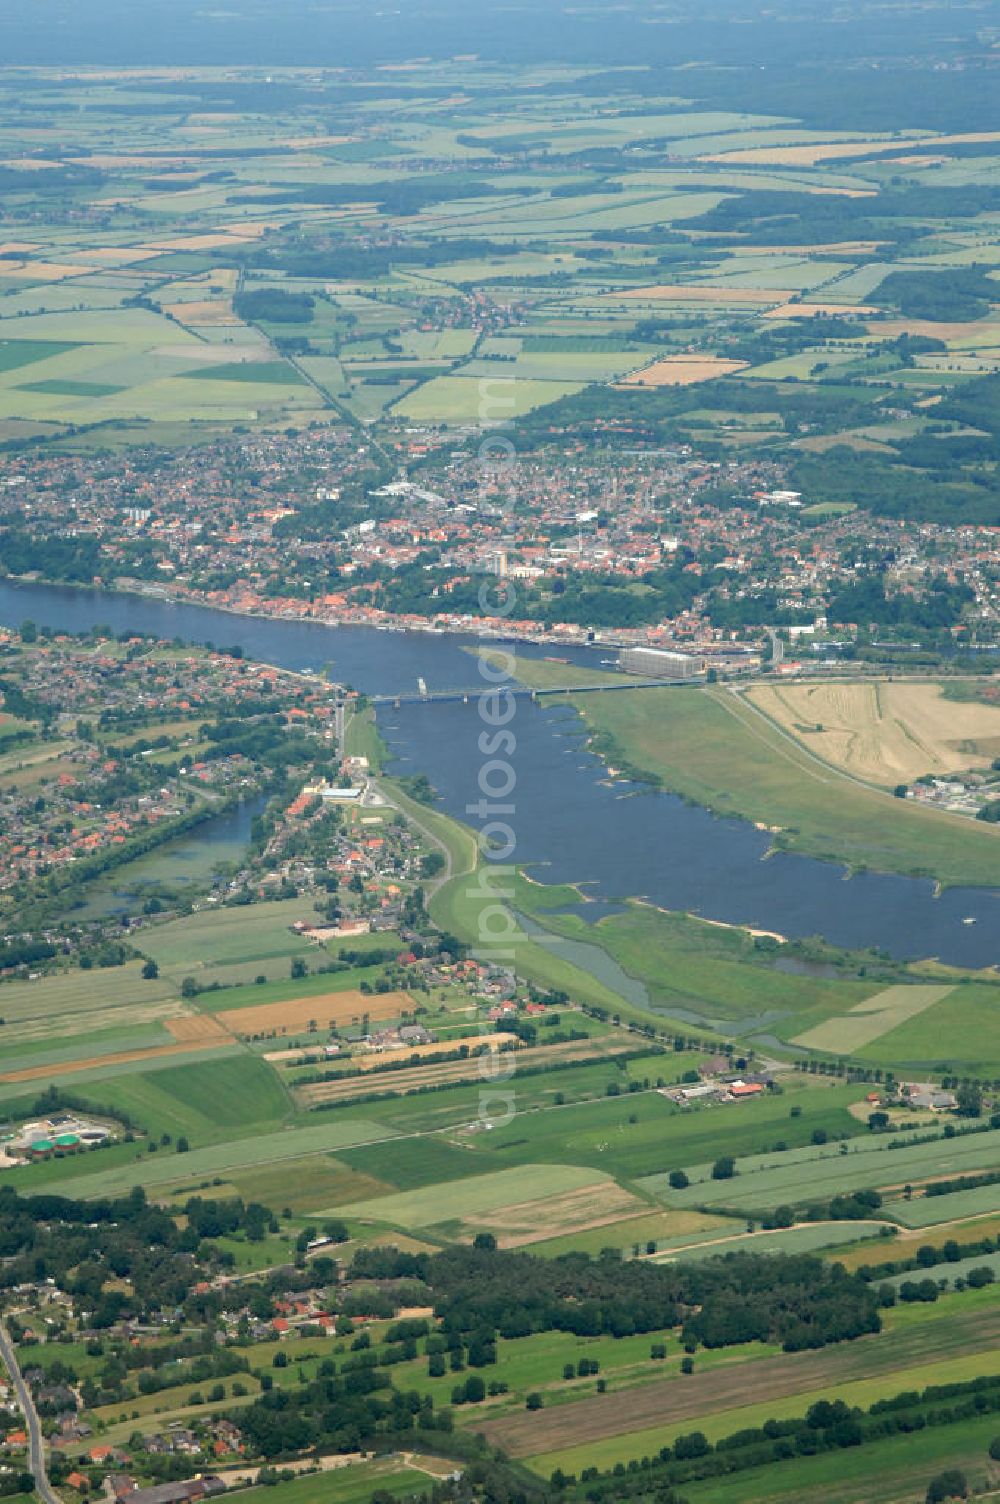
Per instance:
{"type": "Point", "coordinates": [673, 1400]}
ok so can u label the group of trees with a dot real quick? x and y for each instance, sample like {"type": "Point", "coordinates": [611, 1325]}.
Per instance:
{"type": "Point", "coordinates": [345, 1414]}
{"type": "Point", "coordinates": [799, 1302]}
{"type": "Point", "coordinates": [56, 556]}
{"type": "Point", "coordinates": [89, 1247]}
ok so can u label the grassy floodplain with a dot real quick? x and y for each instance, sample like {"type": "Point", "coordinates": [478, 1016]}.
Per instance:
{"type": "Point", "coordinates": [709, 746]}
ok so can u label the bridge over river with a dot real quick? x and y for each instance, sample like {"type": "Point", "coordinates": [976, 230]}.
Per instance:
{"type": "Point", "coordinates": [423, 696]}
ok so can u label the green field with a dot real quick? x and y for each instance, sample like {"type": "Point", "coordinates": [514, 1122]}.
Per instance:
{"type": "Point", "coordinates": [17, 353]}
{"type": "Point", "coordinates": [168, 1168]}
{"type": "Point", "coordinates": [886, 1472]}
{"type": "Point", "coordinates": [960, 1032]}
{"type": "Point", "coordinates": [799, 1177]}
{"type": "Point", "coordinates": [861, 1391]}
{"type": "Point", "coordinates": [215, 936]}
{"type": "Point", "coordinates": [354, 1484]}
{"type": "Point", "coordinates": [495, 397]}
{"type": "Point", "coordinates": [271, 372]}
{"type": "Point", "coordinates": [467, 1199]}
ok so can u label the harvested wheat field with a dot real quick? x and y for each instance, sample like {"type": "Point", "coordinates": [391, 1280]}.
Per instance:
{"type": "Point", "coordinates": [328, 1010]}
{"type": "Point", "coordinates": [692, 292]}
{"type": "Point", "coordinates": [202, 1026]}
{"type": "Point", "coordinates": [45, 271]}
{"type": "Point", "coordinates": [970, 334]}
{"type": "Point", "coordinates": [206, 242]}
{"type": "Point", "coordinates": [886, 733]}
{"type": "Point", "coordinates": [831, 248]}
{"type": "Point", "coordinates": [378, 1059]}
{"type": "Point", "coordinates": [828, 151]}
{"type": "Point", "coordinates": [216, 311]}
{"type": "Point", "coordinates": [682, 370]}
{"type": "Point", "coordinates": [116, 255]}
{"type": "Point", "coordinates": [810, 310]}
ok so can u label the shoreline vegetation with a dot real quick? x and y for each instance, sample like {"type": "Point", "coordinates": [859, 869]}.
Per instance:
{"type": "Point", "coordinates": [727, 981]}
{"type": "Point", "coordinates": [700, 744]}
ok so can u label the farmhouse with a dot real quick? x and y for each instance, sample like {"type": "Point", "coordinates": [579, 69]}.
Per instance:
{"type": "Point", "coordinates": [934, 1100]}
{"type": "Point", "coordinates": [187, 1492]}
{"type": "Point", "coordinates": [701, 1092]}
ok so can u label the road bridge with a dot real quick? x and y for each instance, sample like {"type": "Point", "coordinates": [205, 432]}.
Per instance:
{"type": "Point", "coordinates": [424, 696]}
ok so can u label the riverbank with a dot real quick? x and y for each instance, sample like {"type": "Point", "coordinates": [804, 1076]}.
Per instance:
{"type": "Point", "coordinates": [706, 746]}
{"type": "Point", "coordinates": [371, 618]}
{"type": "Point", "coordinates": [574, 823]}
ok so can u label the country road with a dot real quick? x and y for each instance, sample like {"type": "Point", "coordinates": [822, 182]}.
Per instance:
{"type": "Point", "coordinates": [33, 1426]}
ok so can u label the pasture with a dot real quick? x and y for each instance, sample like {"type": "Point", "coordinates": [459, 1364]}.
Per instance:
{"type": "Point", "coordinates": [870, 1019]}
{"type": "Point", "coordinates": [809, 1238]}
{"type": "Point", "coordinates": [257, 932]}
{"type": "Point", "coordinates": [959, 1032]}
{"type": "Point", "coordinates": [895, 1468]}
{"type": "Point", "coordinates": [493, 397]}
{"type": "Point", "coordinates": [73, 992]}
{"type": "Point", "coordinates": [302, 1184]}
{"type": "Point", "coordinates": [349, 1483]}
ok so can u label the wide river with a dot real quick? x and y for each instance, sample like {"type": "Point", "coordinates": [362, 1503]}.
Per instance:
{"type": "Point", "coordinates": [571, 823]}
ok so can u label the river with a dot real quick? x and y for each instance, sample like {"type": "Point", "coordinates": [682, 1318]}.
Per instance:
{"type": "Point", "coordinates": [571, 823]}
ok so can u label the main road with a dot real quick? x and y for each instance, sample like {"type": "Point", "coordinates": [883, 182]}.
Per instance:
{"type": "Point", "coordinates": [33, 1426]}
